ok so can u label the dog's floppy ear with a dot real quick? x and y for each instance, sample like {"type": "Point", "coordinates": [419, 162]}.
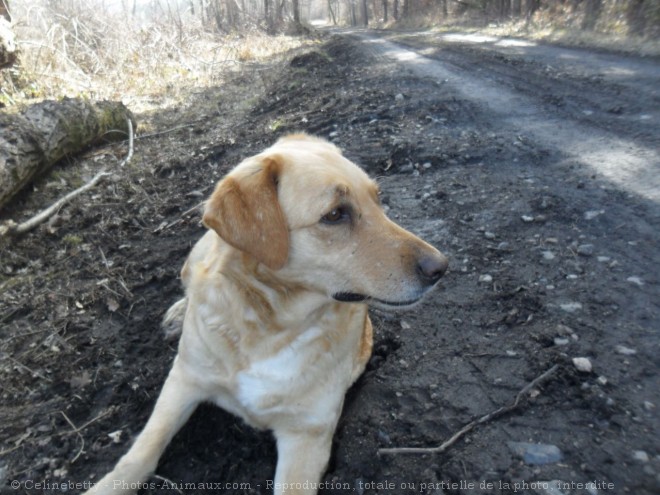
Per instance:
{"type": "Point", "coordinates": [245, 212]}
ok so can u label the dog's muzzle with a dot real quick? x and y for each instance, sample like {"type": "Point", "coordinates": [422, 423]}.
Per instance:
{"type": "Point", "coordinates": [429, 271]}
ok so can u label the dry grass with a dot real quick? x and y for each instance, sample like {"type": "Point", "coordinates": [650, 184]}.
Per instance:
{"type": "Point", "coordinates": [564, 26]}
{"type": "Point", "coordinates": [83, 50]}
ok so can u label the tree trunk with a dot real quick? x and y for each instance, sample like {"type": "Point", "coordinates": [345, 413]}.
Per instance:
{"type": "Point", "coordinates": [4, 10]}
{"type": "Point", "coordinates": [516, 8]}
{"type": "Point", "coordinates": [365, 13]}
{"type": "Point", "coordinates": [385, 19]}
{"type": "Point", "coordinates": [592, 13]}
{"type": "Point", "coordinates": [332, 13]}
{"type": "Point", "coordinates": [30, 143]}
{"type": "Point", "coordinates": [8, 49]}
{"type": "Point", "coordinates": [532, 7]}
{"type": "Point", "coordinates": [295, 6]}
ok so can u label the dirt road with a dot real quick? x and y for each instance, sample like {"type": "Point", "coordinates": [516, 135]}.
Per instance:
{"type": "Point", "coordinates": [601, 111]}
{"type": "Point", "coordinates": [535, 169]}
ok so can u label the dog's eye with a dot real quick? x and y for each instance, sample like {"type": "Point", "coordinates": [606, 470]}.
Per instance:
{"type": "Point", "coordinates": [336, 215]}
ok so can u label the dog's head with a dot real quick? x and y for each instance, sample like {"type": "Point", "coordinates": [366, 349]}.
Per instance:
{"type": "Point", "coordinates": [314, 219]}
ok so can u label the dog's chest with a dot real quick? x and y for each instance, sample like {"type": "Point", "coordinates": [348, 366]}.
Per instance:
{"type": "Point", "coordinates": [304, 377]}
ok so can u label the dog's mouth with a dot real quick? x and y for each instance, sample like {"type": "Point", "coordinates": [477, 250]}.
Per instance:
{"type": "Point", "coordinates": [353, 297]}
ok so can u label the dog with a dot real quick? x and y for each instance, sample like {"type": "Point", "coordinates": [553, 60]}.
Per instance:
{"type": "Point", "coordinates": [276, 327]}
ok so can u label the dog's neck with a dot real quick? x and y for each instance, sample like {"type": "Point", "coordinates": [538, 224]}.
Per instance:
{"type": "Point", "coordinates": [297, 305]}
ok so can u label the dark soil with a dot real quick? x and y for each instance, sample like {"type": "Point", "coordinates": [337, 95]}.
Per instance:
{"type": "Point", "coordinates": [549, 262]}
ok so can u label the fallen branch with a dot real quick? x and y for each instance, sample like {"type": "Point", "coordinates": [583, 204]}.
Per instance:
{"type": "Point", "coordinates": [473, 424]}
{"type": "Point", "coordinates": [129, 124]}
{"type": "Point", "coordinates": [77, 432]}
{"type": "Point", "coordinates": [169, 484]}
{"type": "Point", "coordinates": [13, 228]}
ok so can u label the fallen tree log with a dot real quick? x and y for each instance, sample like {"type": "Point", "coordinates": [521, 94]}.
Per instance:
{"type": "Point", "coordinates": [32, 142]}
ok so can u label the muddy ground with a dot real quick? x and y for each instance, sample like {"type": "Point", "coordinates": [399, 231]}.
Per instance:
{"type": "Point", "coordinates": [551, 259]}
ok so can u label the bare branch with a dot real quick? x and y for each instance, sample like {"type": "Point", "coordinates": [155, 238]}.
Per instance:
{"type": "Point", "coordinates": [473, 424]}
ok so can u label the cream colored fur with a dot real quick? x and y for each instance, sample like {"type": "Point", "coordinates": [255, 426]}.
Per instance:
{"type": "Point", "coordinates": [294, 232]}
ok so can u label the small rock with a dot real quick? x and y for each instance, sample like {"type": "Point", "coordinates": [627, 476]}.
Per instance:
{"type": "Point", "coordinates": [640, 455]}
{"type": "Point", "coordinates": [384, 437]}
{"type": "Point", "coordinates": [489, 235]}
{"type": "Point", "coordinates": [426, 165]}
{"type": "Point", "coordinates": [635, 280]}
{"type": "Point", "coordinates": [399, 97]}
{"type": "Point", "coordinates": [115, 436]}
{"type": "Point", "coordinates": [561, 341]}
{"type": "Point", "coordinates": [603, 259]}
{"type": "Point", "coordinates": [486, 279]}
{"type": "Point", "coordinates": [586, 250]}
{"type": "Point", "coordinates": [590, 215]}
{"type": "Point", "coordinates": [527, 219]}
{"type": "Point", "coordinates": [564, 330]}
{"type": "Point", "coordinates": [582, 364]}
{"type": "Point", "coordinates": [405, 325]}
{"type": "Point", "coordinates": [571, 307]}
{"type": "Point", "coordinates": [648, 405]}
{"type": "Point", "coordinates": [626, 351]}
{"type": "Point", "coordinates": [536, 453]}
{"type": "Point", "coordinates": [601, 380]}
{"type": "Point", "coordinates": [548, 255]}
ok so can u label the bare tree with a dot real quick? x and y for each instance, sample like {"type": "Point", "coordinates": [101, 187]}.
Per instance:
{"type": "Point", "coordinates": [4, 9]}
{"type": "Point", "coordinates": [592, 13]}
{"type": "Point", "coordinates": [295, 6]}
{"type": "Point", "coordinates": [331, 12]}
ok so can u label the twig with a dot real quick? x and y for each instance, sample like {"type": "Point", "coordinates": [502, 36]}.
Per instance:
{"type": "Point", "coordinates": [33, 372]}
{"type": "Point", "coordinates": [17, 229]}
{"type": "Point", "coordinates": [168, 483]}
{"type": "Point", "coordinates": [81, 428]}
{"type": "Point", "coordinates": [166, 226]}
{"type": "Point", "coordinates": [173, 129]}
{"type": "Point", "coordinates": [191, 210]}
{"type": "Point", "coordinates": [473, 424]}
{"type": "Point", "coordinates": [130, 143]}
{"type": "Point", "coordinates": [75, 430]}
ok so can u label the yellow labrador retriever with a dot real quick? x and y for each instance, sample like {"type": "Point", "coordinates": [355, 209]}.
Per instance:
{"type": "Point", "coordinates": [276, 326]}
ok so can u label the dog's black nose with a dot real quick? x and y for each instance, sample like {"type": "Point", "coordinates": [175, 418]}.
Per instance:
{"type": "Point", "coordinates": [431, 268]}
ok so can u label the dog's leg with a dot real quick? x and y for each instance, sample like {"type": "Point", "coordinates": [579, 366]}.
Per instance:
{"type": "Point", "coordinates": [176, 402]}
{"type": "Point", "coordinates": [302, 457]}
